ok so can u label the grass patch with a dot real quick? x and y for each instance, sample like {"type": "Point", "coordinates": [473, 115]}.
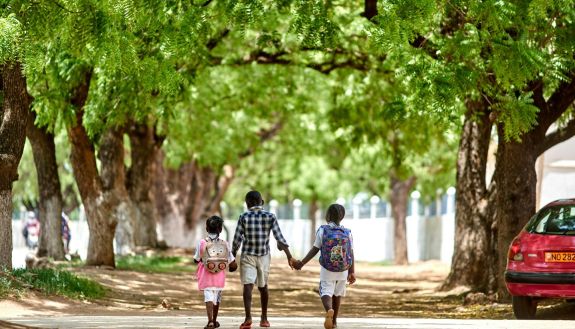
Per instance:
{"type": "Point", "coordinates": [6, 286]}
{"type": "Point", "coordinates": [56, 282]}
{"type": "Point", "coordinates": [154, 264]}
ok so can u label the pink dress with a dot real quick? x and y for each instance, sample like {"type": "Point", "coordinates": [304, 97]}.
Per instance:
{"type": "Point", "coordinates": [207, 280]}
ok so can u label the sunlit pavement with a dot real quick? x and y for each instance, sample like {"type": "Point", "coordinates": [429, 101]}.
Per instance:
{"type": "Point", "coordinates": [309, 323]}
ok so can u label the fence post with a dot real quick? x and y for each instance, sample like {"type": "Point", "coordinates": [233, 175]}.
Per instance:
{"type": "Point", "coordinates": [412, 228]}
{"type": "Point", "coordinates": [356, 202]}
{"type": "Point", "coordinates": [297, 209]}
{"type": "Point", "coordinates": [451, 200]}
{"type": "Point", "coordinates": [299, 241]}
{"type": "Point", "coordinates": [438, 203]}
{"type": "Point", "coordinates": [374, 200]}
{"type": "Point", "coordinates": [448, 228]}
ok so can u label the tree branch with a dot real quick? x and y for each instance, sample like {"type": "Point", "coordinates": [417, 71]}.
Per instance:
{"type": "Point", "coordinates": [265, 135]}
{"type": "Point", "coordinates": [358, 62]}
{"type": "Point", "coordinates": [558, 103]}
{"type": "Point", "coordinates": [537, 88]}
{"type": "Point", "coordinates": [213, 42]}
{"type": "Point", "coordinates": [556, 137]}
{"type": "Point", "coordinates": [370, 9]}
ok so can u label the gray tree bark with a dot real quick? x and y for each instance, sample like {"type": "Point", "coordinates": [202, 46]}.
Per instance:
{"type": "Point", "coordinates": [398, 198]}
{"type": "Point", "coordinates": [14, 117]}
{"type": "Point", "coordinates": [50, 205]}
{"type": "Point", "coordinates": [474, 262]}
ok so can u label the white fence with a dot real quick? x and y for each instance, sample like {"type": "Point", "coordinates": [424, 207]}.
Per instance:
{"type": "Point", "coordinates": [428, 236]}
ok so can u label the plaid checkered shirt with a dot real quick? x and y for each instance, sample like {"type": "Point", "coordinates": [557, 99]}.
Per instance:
{"type": "Point", "coordinates": [253, 230]}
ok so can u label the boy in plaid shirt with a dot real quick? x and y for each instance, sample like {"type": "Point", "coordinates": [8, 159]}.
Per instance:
{"type": "Point", "coordinates": [253, 234]}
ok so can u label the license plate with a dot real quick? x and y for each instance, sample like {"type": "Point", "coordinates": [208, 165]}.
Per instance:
{"type": "Point", "coordinates": [560, 257]}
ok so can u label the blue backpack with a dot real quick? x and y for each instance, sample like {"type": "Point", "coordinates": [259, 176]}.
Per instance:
{"type": "Point", "coordinates": [335, 249]}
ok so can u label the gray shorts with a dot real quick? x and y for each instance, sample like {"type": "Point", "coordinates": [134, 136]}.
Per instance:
{"type": "Point", "coordinates": [255, 269]}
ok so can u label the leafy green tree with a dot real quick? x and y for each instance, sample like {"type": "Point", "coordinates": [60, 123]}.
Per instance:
{"type": "Point", "coordinates": [103, 50]}
{"type": "Point", "coordinates": [303, 162]}
{"type": "Point", "coordinates": [231, 112]}
{"type": "Point", "coordinates": [373, 108]}
{"type": "Point", "coordinates": [511, 64]}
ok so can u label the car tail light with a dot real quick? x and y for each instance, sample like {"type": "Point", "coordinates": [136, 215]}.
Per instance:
{"type": "Point", "coordinates": [515, 251]}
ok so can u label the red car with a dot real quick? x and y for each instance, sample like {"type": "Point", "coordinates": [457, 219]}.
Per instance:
{"type": "Point", "coordinates": [541, 259]}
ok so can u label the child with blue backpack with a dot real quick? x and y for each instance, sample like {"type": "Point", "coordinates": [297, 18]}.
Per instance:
{"type": "Point", "coordinates": [337, 262]}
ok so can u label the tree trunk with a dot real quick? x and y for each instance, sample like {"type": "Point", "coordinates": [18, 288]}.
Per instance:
{"type": "Point", "coordinates": [140, 182]}
{"type": "Point", "coordinates": [200, 195]}
{"type": "Point", "coordinates": [172, 198]}
{"type": "Point", "coordinates": [474, 257]}
{"type": "Point", "coordinates": [399, 197]}
{"type": "Point", "coordinates": [99, 207]}
{"type": "Point", "coordinates": [220, 187]}
{"type": "Point", "coordinates": [516, 194]}
{"type": "Point", "coordinates": [14, 116]}
{"type": "Point", "coordinates": [515, 174]}
{"type": "Point", "coordinates": [50, 243]}
{"type": "Point", "coordinates": [186, 196]}
{"type": "Point", "coordinates": [370, 9]}
{"type": "Point", "coordinates": [113, 174]}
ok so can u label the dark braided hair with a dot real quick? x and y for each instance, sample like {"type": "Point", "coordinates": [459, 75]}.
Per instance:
{"type": "Point", "coordinates": [335, 213]}
{"type": "Point", "coordinates": [214, 224]}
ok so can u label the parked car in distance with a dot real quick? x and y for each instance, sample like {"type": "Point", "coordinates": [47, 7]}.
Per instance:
{"type": "Point", "coordinates": [541, 259]}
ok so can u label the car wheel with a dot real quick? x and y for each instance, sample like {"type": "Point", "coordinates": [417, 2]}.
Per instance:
{"type": "Point", "coordinates": [524, 307]}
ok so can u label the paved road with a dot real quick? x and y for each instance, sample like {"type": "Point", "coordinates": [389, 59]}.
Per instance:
{"type": "Point", "coordinates": [307, 323]}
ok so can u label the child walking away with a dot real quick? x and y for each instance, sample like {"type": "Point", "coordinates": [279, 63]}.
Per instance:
{"type": "Point", "coordinates": [253, 234]}
{"type": "Point", "coordinates": [336, 259]}
{"type": "Point", "coordinates": [214, 257]}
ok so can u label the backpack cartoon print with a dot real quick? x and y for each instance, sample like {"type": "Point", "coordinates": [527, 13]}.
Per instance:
{"type": "Point", "coordinates": [336, 254]}
{"type": "Point", "coordinates": [215, 255]}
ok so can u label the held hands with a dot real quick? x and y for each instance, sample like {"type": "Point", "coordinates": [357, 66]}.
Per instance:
{"type": "Point", "coordinates": [298, 265]}
{"type": "Point", "coordinates": [233, 266]}
{"type": "Point", "coordinates": [295, 264]}
{"type": "Point", "coordinates": [292, 262]}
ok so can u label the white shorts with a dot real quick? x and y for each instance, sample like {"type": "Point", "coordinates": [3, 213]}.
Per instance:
{"type": "Point", "coordinates": [255, 269]}
{"type": "Point", "coordinates": [332, 288]}
{"type": "Point", "coordinates": [213, 295]}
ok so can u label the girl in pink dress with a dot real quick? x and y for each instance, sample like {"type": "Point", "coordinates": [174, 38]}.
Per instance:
{"type": "Point", "coordinates": [213, 256]}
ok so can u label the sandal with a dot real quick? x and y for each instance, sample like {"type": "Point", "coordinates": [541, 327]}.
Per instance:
{"type": "Point", "coordinates": [246, 325]}
{"type": "Point", "coordinates": [265, 324]}
{"type": "Point", "coordinates": [328, 323]}
{"type": "Point", "coordinates": [216, 324]}
{"type": "Point", "coordinates": [210, 325]}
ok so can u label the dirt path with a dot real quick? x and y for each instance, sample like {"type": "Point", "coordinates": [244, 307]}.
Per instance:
{"type": "Point", "coordinates": [380, 291]}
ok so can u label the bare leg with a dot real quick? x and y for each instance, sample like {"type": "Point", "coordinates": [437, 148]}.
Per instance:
{"type": "Point", "coordinates": [327, 305]}
{"type": "Point", "coordinates": [264, 297]}
{"type": "Point", "coordinates": [248, 301]}
{"type": "Point", "coordinates": [215, 312]}
{"type": "Point", "coordinates": [326, 301]}
{"type": "Point", "coordinates": [210, 311]}
{"type": "Point", "coordinates": [336, 303]}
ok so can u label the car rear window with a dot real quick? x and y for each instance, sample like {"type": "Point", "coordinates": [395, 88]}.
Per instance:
{"type": "Point", "coordinates": [553, 220]}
